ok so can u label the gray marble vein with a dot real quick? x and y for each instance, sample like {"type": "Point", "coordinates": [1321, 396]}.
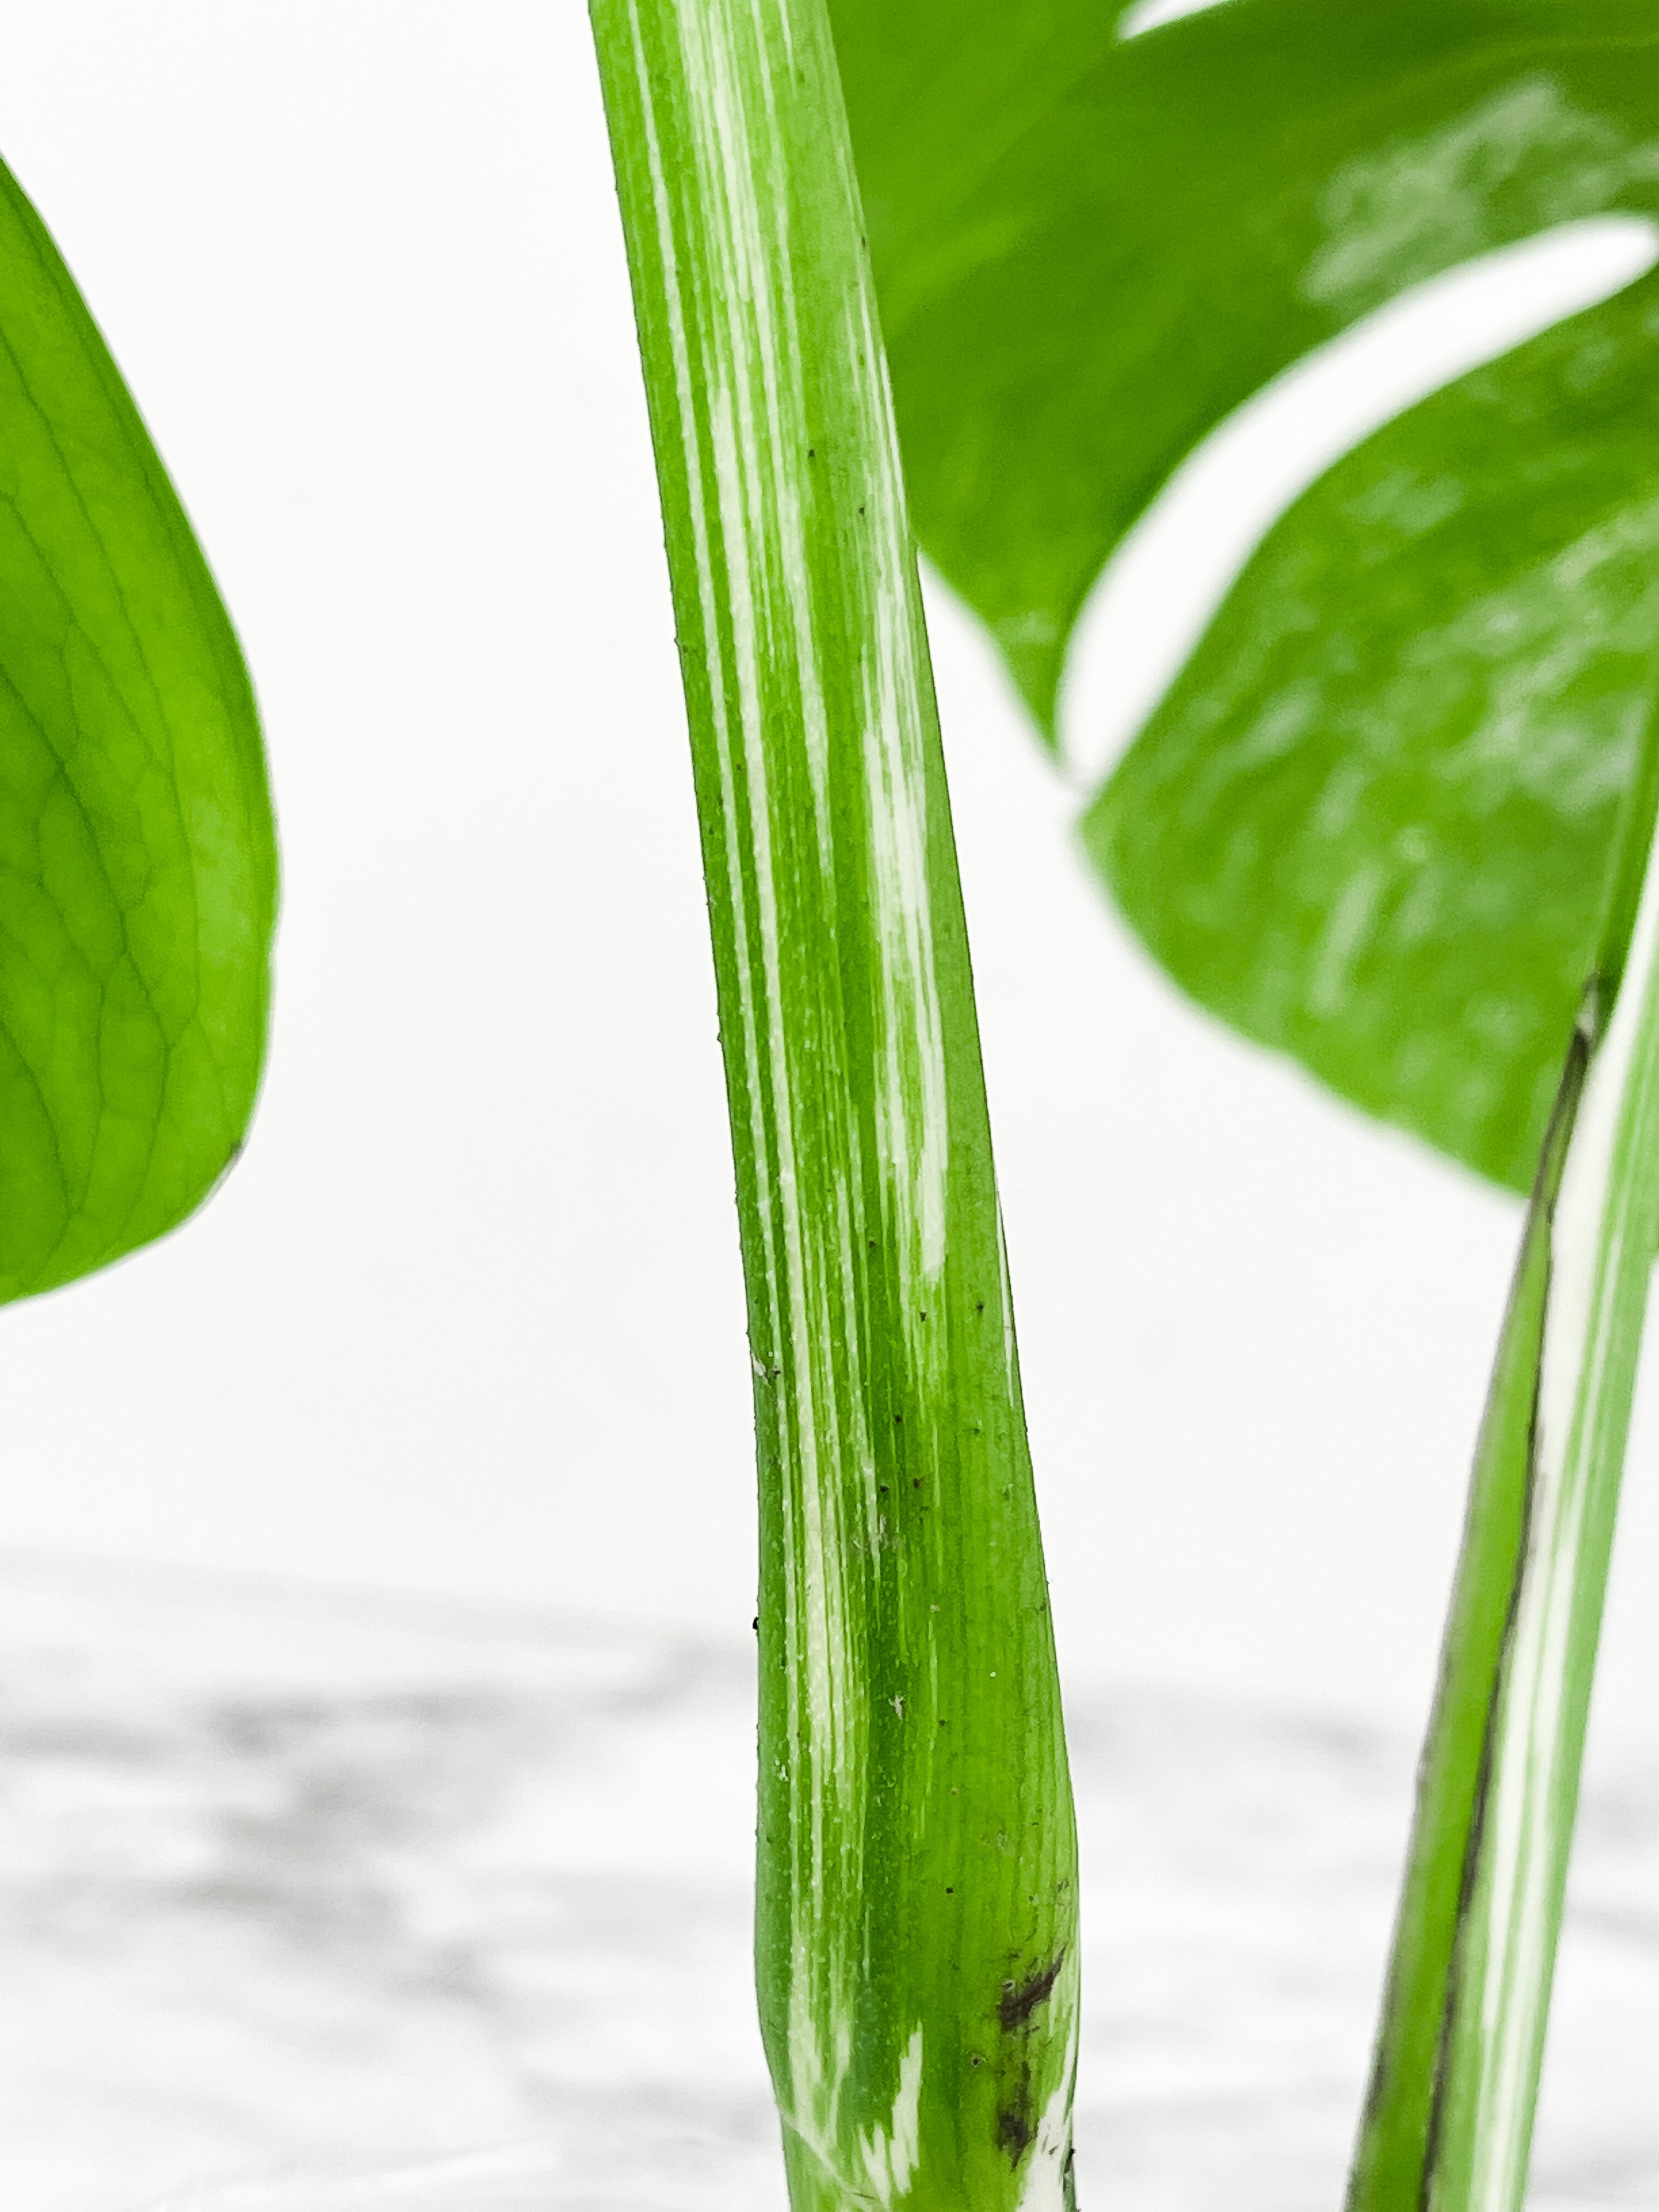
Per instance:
{"type": "Point", "coordinates": [447, 1911]}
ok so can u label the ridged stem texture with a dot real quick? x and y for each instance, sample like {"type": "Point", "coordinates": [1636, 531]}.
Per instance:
{"type": "Point", "coordinates": [1449, 2121]}
{"type": "Point", "coordinates": [916, 1913]}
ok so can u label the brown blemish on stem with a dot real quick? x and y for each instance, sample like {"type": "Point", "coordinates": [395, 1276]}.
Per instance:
{"type": "Point", "coordinates": [1021, 2000]}
{"type": "Point", "coordinates": [1014, 2133]}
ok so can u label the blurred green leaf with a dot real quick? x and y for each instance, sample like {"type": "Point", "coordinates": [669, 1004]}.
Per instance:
{"type": "Point", "coordinates": [1369, 826]}
{"type": "Point", "coordinates": [137, 866]}
{"type": "Point", "coordinates": [1371, 822]}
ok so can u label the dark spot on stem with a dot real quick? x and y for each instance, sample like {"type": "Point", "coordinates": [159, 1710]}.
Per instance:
{"type": "Point", "coordinates": [1021, 2000]}
{"type": "Point", "coordinates": [1014, 2133]}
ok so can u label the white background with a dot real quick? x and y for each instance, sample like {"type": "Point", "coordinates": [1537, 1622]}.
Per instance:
{"type": "Point", "coordinates": [468, 1317]}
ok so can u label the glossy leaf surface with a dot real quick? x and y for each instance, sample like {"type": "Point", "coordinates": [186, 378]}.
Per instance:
{"type": "Point", "coordinates": [1365, 827]}
{"type": "Point", "coordinates": [137, 870]}
{"type": "Point", "coordinates": [1371, 822]}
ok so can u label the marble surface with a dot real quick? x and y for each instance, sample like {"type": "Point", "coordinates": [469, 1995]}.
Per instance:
{"type": "Point", "coordinates": [447, 1911]}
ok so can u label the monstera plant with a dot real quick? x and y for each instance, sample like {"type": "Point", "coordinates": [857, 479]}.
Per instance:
{"type": "Point", "coordinates": [1369, 823]}
{"type": "Point", "coordinates": [982, 279]}
{"type": "Point", "coordinates": [1392, 818]}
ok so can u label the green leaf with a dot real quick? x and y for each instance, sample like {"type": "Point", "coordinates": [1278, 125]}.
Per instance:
{"type": "Point", "coordinates": [1370, 823]}
{"type": "Point", "coordinates": [1366, 828]}
{"type": "Point", "coordinates": [137, 866]}
{"type": "Point", "coordinates": [916, 1915]}
{"type": "Point", "coordinates": [1089, 250]}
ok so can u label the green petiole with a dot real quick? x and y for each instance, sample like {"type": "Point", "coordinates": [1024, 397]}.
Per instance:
{"type": "Point", "coordinates": [1449, 2121]}
{"type": "Point", "coordinates": [917, 1915]}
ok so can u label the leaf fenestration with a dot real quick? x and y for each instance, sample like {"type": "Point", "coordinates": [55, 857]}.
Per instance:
{"type": "Point", "coordinates": [1091, 251]}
